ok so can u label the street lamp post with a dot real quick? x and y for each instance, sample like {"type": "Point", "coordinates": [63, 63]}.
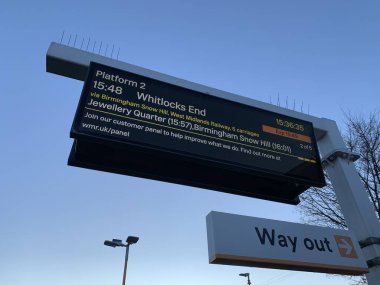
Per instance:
{"type": "Point", "coordinates": [246, 275]}
{"type": "Point", "coordinates": [118, 242]}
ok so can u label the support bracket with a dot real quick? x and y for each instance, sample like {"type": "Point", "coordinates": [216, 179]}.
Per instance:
{"type": "Point", "coordinates": [373, 262]}
{"type": "Point", "coordinates": [369, 241]}
{"type": "Point", "coordinates": [341, 153]}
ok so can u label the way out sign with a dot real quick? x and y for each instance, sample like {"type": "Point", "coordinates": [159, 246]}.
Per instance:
{"type": "Point", "coordinates": [249, 241]}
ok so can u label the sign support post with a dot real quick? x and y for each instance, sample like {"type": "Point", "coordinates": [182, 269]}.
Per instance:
{"type": "Point", "coordinates": [351, 195]}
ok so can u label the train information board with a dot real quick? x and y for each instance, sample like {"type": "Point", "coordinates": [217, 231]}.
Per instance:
{"type": "Point", "coordinates": [121, 107]}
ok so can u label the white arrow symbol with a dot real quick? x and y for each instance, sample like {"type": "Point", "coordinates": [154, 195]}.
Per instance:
{"type": "Point", "coordinates": [345, 245]}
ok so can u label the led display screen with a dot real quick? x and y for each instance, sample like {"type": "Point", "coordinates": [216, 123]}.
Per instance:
{"type": "Point", "coordinates": [126, 110]}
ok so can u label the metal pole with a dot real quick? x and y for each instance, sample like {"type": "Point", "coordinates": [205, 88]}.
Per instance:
{"type": "Point", "coordinates": [249, 281]}
{"type": "Point", "coordinates": [351, 194]}
{"type": "Point", "coordinates": [125, 262]}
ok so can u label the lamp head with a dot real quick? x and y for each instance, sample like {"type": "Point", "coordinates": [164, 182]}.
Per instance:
{"type": "Point", "coordinates": [110, 243]}
{"type": "Point", "coordinates": [244, 274]}
{"type": "Point", "coordinates": [114, 243]}
{"type": "Point", "coordinates": [118, 242]}
{"type": "Point", "coordinates": [132, 239]}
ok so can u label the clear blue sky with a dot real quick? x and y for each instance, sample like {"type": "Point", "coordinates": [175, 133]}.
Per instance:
{"type": "Point", "coordinates": [324, 55]}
